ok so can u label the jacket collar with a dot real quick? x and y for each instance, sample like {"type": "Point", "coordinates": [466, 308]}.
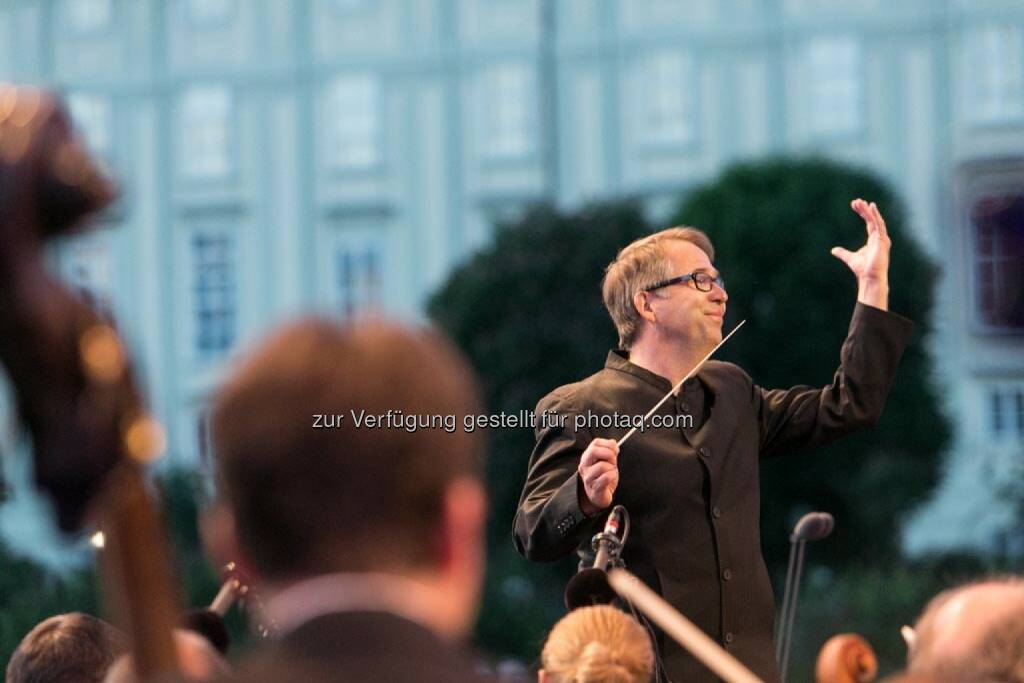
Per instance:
{"type": "Point", "coordinates": [618, 359]}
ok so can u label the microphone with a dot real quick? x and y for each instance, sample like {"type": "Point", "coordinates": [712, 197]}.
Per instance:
{"type": "Point", "coordinates": [590, 586]}
{"type": "Point", "coordinates": [209, 621]}
{"type": "Point", "coordinates": [608, 541]}
{"type": "Point", "coordinates": [813, 526]}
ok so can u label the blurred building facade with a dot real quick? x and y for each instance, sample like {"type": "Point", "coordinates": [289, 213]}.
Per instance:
{"type": "Point", "coordinates": [286, 156]}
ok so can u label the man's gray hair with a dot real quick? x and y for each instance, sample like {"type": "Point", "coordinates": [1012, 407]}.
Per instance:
{"type": "Point", "coordinates": [638, 266]}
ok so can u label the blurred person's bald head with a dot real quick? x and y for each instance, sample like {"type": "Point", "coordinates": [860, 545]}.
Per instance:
{"type": "Point", "coordinates": [972, 633]}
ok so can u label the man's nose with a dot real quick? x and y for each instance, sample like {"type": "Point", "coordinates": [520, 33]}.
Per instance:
{"type": "Point", "coordinates": [718, 293]}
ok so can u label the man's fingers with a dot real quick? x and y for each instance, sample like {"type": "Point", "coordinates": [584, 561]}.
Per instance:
{"type": "Point", "coordinates": [879, 221]}
{"type": "Point", "coordinates": [863, 210]}
{"type": "Point", "coordinates": [598, 450]}
{"type": "Point", "coordinates": [596, 470]}
{"type": "Point", "coordinates": [591, 473]}
{"type": "Point", "coordinates": [606, 483]}
{"type": "Point", "coordinates": [598, 454]}
{"type": "Point", "coordinates": [842, 254]}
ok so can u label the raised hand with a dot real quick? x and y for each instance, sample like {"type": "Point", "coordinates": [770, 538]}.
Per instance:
{"type": "Point", "coordinates": [870, 263]}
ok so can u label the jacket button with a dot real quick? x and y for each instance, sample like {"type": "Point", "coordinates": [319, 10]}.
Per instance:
{"type": "Point", "coordinates": [705, 452]}
{"type": "Point", "coordinates": [716, 513]}
{"type": "Point", "coordinates": [729, 637]}
{"type": "Point", "coordinates": [727, 574]}
{"type": "Point", "coordinates": [685, 408]}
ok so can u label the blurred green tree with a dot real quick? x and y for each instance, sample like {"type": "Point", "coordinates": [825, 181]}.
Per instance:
{"type": "Point", "coordinates": [773, 223]}
{"type": "Point", "coordinates": [180, 497]}
{"type": "Point", "coordinates": [30, 592]}
{"type": "Point", "coordinates": [528, 312]}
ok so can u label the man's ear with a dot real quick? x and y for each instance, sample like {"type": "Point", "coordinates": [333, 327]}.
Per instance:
{"type": "Point", "coordinates": [219, 536]}
{"type": "Point", "coordinates": [465, 519]}
{"type": "Point", "coordinates": [642, 303]}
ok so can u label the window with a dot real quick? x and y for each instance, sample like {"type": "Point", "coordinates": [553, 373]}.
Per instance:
{"type": "Point", "coordinates": [204, 441]}
{"type": "Point", "coordinates": [91, 116]}
{"type": "Point", "coordinates": [353, 112]}
{"type": "Point", "coordinates": [210, 12]}
{"type": "Point", "coordinates": [205, 132]}
{"type": "Point", "coordinates": [668, 87]}
{"type": "Point", "coordinates": [508, 106]}
{"type": "Point", "coordinates": [89, 269]}
{"type": "Point", "coordinates": [994, 74]}
{"type": "Point", "coordinates": [669, 12]}
{"type": "Point", "coordinates": [88, 16]}
{"type": "Point", "coordinates": [998, 226]}
{"type": "Point", "coordinates": [358, 275]}
{"type": "Point", "coordinates": [350, 5]}
{"type": "Point", "coordinates": [213, 289]}
{"type": "Point", "coordinates": [832, 78]}
{"type": "Point", "coordinates": [1006, 413]}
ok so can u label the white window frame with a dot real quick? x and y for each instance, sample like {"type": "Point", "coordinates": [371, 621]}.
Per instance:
{"type": "Point", "coordinates": [213, 299]}
{"type": "Point", "coordinates": [1004, 412]}
{"type": "Point", "coordinates": [993, 74]}
{"type": "Point", "coordinates": [89, 17]}
{"type": "Point", "coordinates": [987, 264]}
{"type": "Point", "coordinates": [210, 13]}
{"type": "Point", "coordinates": [349, 6]}
{"type": "Point", "coordinates": [91, 116]}
{"type": "Point", "coordinates": [362, 290]}
{"type": "Point", "coordinates": [833, 79]}
{"type": "Point", "coordinates": [206, 117]}
{"type": "Point", "coordinates": [668, 82]}
{"type": "Point", "coordinates": [89, 267]}
{"type": "Point", "coordinates": [353, 122]}
{"type": "Point", "coordinates": [509, 127]}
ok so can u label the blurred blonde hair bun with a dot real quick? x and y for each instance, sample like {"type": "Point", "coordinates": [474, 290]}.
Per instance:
{"type": "Point", "coordinates": [598, 644]}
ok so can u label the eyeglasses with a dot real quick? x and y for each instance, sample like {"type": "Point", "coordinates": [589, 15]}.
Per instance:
{"type": "Point", "coordinates": [701, 280]}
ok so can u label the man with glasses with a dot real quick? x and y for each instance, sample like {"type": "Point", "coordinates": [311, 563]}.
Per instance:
{"type": "Point", "coordinates": [693, 492]}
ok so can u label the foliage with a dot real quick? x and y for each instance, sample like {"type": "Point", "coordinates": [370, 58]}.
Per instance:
{"type": "Point", "coordinates": [30, 592]}
{"type": "Point", "coordinates": [875, 602]}
{"type": "Point", "coordinates": [773, 224]}
{"type": "Point", "coordinates": [528, 312]}
{"type": "Point", "coordinates": [198, 582]}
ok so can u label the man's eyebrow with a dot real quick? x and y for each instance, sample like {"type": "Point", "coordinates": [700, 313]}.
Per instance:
{"type": "Point", "coordinates": [713, 273]}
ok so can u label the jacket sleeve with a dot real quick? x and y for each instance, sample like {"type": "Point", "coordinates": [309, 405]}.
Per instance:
{"type": "Point", "coordinates": [803, 416]}
{"type": "Point", "coordinates": [549, 523]}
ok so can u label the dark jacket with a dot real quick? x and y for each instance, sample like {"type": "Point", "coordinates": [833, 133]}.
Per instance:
{"type": "Point", "coordinates": [693, 493]}
{"type": "Point", "coordinates": [361, 646]}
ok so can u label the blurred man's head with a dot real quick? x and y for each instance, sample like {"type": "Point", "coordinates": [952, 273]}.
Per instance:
{"type": "Point", "coordinates": [310, 499]}
{"type": "Point", "coordinates": [972, 633]}
{"type": "Point", "coordinates": [67, 648]}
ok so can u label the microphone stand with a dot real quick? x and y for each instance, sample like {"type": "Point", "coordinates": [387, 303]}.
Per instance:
{"type": "Point", "coordinates": [589, 586]}
{"type": "Point", "coordinates": [812, 527]}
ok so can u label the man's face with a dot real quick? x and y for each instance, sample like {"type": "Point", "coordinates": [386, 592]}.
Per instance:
{"type": "Point", "coordinates": [683, 312]}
